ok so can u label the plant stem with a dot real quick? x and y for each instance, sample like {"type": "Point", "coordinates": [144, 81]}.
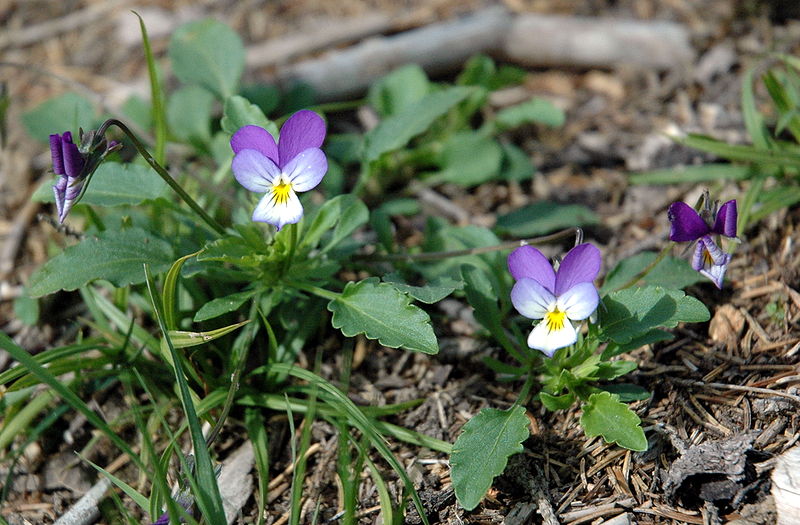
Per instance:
{"type": "Point", "coordinates": [216, 226]}
{"type": "Point", "coordinates": [641, 275]}
{"type": "Point", "coordinates": [434, 256]}
{"type": "Point", "coordinates": [524, 394]}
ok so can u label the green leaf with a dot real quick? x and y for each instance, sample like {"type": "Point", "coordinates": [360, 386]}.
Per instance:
{"type": "Point", "coordinates": [395, 131]}
{"type": "Point", "coordinates": [671, 272]}
{"type": "Point", "coordinates": [169, 294]}
{"type": "Point", "coordinates": [469, 158]}
{"type": "Point", "coordinates": [480, 70]}
{"type": "Point", "coordinates": [209, 53]}
{"type": "Point", "coordinates": [544, 217]}
{"type": "Point", "coordinates": [633, 312]}
{"type": "Point", "coordinates": [517, 165]}
{"type": "Point", "coordinates": [239, 111]}
{"type": "Point", "coordinates": [381, 312]}
{"type": "Point", "coordinates": [603, 415]}
{"type": "Point", "coordinates": [116, 256]}
{"type": "Point", "coordinates": [627, 392]}
{"type": "Point", "coordinates": [189, 114]}
{"type": "Point", "coordinates": [185, 339]}
{"type": "Point", "coordinates": [26, 309]}
{"type": "Point", "coordinates": [741, 152]}
{"type": "Point", "coordinates": [432, 292]}
{"type": "Point", "coordinates": [482, 450]}
{"type": "Point", "coordinates": [554, 403]}
{"type": "Point", "coordinates": [346, 211]}
{"type": "Point", "coordinates": [534, 111]}
{"type": "Point", "coordinates": [702, 173]}
{"type": "Point", "coordinates": [609, 370]}
{"type": "Point", "coordinates": [222, 305]}
{"type": "Point", "coordinates": [115, 184]}
{"type": "Point", "coordinates": [398, 90]}
{"type": "Point", "coordinates": [67, 112]}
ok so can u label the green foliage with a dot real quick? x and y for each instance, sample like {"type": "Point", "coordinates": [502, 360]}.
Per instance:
{"type": "Point", "coordinates": [633, 312]}
{"type": "Point", "coordinates": [115, 184]}
{"type": "Point", "coordinates": [67, 112]}
{"type": "Point", "coordinates": [432, 292]}
{"type": "Point", "coordinates": [469, 158]}
{"type": "Point", "coordinates": [239, 111]}
{"type": "Point", "coordinates": [208, 53]}
{"type": "Point", "coordinates": [604, 415]}
{"type": "Point", "coordinates": [116, 256]}
{"type": "Point", "coordinates": [398, 90]}
{"type": "Point", "coordinates": [380, 311]}
{"type": "Point", "coordinates": [534, 111]}
{"type": "Point", "coordinates": [397, 130]}
{"type": "Point", "coordinates": [189, 114]}
{"type": "Point", "coordinates": [544, 217]}
{"type": "Point", "coordinates": [670, 272]}
{"type": "Point", "coordinates": [482, 450]}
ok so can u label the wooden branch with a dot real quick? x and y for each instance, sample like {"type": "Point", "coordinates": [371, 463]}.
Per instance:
{"type": "Point", "coordinates": [536, 40]}
{"type": "Point", "coordinates": [437, 47]}
{"type": "Point", "coordinates": [527, 39]}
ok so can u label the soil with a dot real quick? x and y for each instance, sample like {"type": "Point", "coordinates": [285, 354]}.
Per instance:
{"type": "Point", "coordinates": [725, 398]}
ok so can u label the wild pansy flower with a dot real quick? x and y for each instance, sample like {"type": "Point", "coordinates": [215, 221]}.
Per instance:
{"type": "Point", "coordinates": [687, 226]}
{"type": "Point", "coordinates": [555, 297]}
{"type": "Point", "coordinates": [74, 165]}
{"type": "Point", "coordinates": [295, 164]}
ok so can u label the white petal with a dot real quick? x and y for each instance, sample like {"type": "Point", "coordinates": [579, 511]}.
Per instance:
{"type": "Point", "coordinates": [306, 169]}
{"type": "Point", "coordinates": [530, 298]}
{"type": "Point", "coordinates": [278, 215]}
{"type": "Point", "coordinates": [579, 301]}
{"type": "Point", "coordinates": [543, 339]}
{"type": "Point", "coordinates": [254, 171]}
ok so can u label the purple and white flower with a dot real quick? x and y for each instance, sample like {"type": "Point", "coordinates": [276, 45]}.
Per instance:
{"type": "Point", "coordinates": [75, 164]}
{"type": "Point", "coordinates": [687, 226]}
{"type": "Point", "coordinates": [280, 170]}
{"type": "Point", "coordinates": [555, 297]}
{"type": "Point", "coordinates": [68, 164]}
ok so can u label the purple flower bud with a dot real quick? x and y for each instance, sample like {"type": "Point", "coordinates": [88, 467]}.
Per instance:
{"type": "Point", "coordinates": [74, 165]}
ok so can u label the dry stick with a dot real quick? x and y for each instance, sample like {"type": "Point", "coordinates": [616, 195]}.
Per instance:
{"type": "Point", "coordinates": [435, 256]}
{"type": "Point", "coordinates": [528, 39]}
{"type": "Point", "coordinates": [740, 388]}
{"type": "Point", "coordinates": [8, 252]}
{"type": "Point", "coordinates": [37, 33]}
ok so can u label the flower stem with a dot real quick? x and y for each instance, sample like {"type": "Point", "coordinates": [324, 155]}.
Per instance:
{"type": "Point", "coordinates": [435, 256]}
{"type": "Point", "coordinates": [524, 394]}
{"type": "Point", "coordinates": [216, 226]}
{"type": "Point", "coordinates": [641, 275]}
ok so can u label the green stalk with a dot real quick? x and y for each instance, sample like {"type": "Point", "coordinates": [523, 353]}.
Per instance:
{"type": "Point", "coordinates": [217, 227]}
{"type": "Point", "coordinates": [641, 275]}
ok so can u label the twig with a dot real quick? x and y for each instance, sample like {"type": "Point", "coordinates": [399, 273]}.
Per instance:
{"type": "Point", "coordinates": [435, 256]}
{"type": "Point", "coordinates": [62, 24]}
{"type": "Point", "coordinates": [8, 253]}
{"type": "Point", "coordinates": [86, 510]}
{"type": "Point", "coordinates": [740, 388]}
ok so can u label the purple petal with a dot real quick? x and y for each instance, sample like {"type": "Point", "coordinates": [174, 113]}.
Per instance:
{"type": "Point", "coordinates": [531, 299]}
{"type": "Point", "coordinates": [686, 223]}
{"type": "Point", "coordinates": [55, 154]}
{"type": "Point", "coordinates": [527, 261]}
{"type": "Point", "coordinates": [254, 171]}
{"type": "Point", "coordinates": [579, 302]}
{"type": "Point", "coordinates": [305, 129]}
{"type": "Point", "coordinates": [257, 138]}
{"type": "Point", "coordinates": [306, 170]}
{"type": "Point", "coordinates": [725, 223]}
{"type": "Point", "coordinates": [73, 160]}
{"type": "Point", "coordinates": [580, 265]}
{"type": "Point", "coordinates": [269, 211]}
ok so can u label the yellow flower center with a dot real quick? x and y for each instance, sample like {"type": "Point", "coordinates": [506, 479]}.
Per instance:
{"type": "Point", "coordinates": [555, 320]}
{"type": "Point", "coordinates": [280, 192]}
{"type": "Point", "coordinates": [707, 259]}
